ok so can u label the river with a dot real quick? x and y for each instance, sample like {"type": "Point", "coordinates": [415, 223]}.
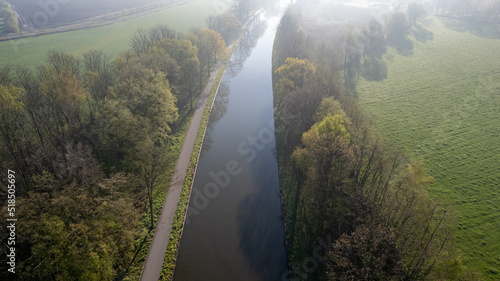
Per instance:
{"type": "Point", "coordinates": [234, 226]}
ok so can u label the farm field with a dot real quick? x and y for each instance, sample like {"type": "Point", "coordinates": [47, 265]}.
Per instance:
{"type": "Point", "coordinates": [113, 39]}
{"type": "Point", "coordinates": [75, 10]}
{"type": "Point", "coordinates": [441, 103]}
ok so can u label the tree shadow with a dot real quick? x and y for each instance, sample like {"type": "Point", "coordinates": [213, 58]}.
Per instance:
{"type": "Point", "coordinates": [219, 109]}
{"type": "Point", "coordinates": [478, 28]}
{"type": "Point", "coordinates": [401, 43]}
{"type": "Point", "coordinates": [421, 33]}
{"type": "Point", "coordinates": [247, 43]}
{"type": "Point", "coordinates": [374, 69]}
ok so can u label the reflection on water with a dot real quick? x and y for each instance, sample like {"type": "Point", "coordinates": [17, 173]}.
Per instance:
{"type": "Point", "coordinates": [258, 228]}
{"type": "Point", "coordinates": [234, 229]}
{"type": "Point", "coordinates": [255, 30]}
{"type": "Point", "coordinates": [219, 109]}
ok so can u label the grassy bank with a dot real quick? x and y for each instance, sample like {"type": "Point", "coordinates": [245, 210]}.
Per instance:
{"type": "Point", "coordinates": [113, 39]}
{"type": "Point", "coordinates": [441, 104]}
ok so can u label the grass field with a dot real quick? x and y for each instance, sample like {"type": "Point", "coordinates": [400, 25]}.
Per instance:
{"type": "Point", "coordinates": [113, 39]}
{"type": "Point", "coordinates": [442, 104]}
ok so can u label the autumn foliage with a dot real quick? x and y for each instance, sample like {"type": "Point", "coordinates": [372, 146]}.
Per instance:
{"type": "Point", "coordinates": [342, 182]}
{"type": "Point", "coordinates": [88, 138]}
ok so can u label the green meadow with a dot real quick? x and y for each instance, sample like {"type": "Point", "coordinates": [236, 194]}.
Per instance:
{"type": "Point", "coordinates": [113, 39]}
{"type": "Point", "coordinates": [440, 102]}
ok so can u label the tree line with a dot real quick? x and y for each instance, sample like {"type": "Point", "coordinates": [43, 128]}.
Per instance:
{"type": "Point", "coordinates": [89, 139]}
{"type": "Point", "coordinates": [10, 21]}
{"type": "Point", "coordinates": [482, 10]}
{"type": "Point", "coordinates": [355, 207]}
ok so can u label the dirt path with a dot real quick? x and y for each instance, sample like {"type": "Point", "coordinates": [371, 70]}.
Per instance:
{"type": "Point", "coordinates": [154, 260]}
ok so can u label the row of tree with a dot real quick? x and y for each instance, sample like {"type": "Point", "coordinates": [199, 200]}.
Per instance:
{"type": "Point", "coordinates": [88, 139]}
{"type": "Point", "coordinates": [483, 10]}
{"type": "Point", "coordinates": [343, 184]}
{"type": "Point", "coordinates": [10, 21]}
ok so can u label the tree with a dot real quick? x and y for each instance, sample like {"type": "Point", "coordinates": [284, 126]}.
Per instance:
{"type": "Point", "coordinates": [145, 39]}
{"type": "Point", "coordinates": [330, 124]}
{"type": "Point", "coordinates": [415, 13]}
{"type": "Point", "coordinates": [60, 61]}
{"type": "Point", "coordinates": [140, 42]}
{"type": "Point", "coordinates": [242, 9]}
{"type": "Point", "coordinates": [65, 95]}
{"type": "Point", "coordinates": [186, 56]}
{"type": "Point", "coordinates": [11, 23]}
{"type": "Point", "coordinates": [297, 97]}
{"type": "Point", "coordinates": [330, 107]}
{"type": "Point", "coordinates": [397, 25]}
{"type": "Point", "coordinates": [151, 172]}
{"type": "Point", "coordinates": [98, 74]}
{"type": "Point", "coordinates": [374, 40]}
{"type": "Point", "coordinates": [160, 33]}
{"type": "Point", "coordinates": [368, 253]}
{"type": "Point", "coordinates": [294, 74]}
{"type": "Point", "coordinates": [12, 134]}
{"type": "Point", "coordinates": [326, 160]}
{"type": "Point", "coordinates": [211, 48]}
{"type": "Point", "coordinates": [137, 114]}
{"type": "Point", "coordinates": [226, 24]}
{"type": "Point", "coordinates": [81, 228]}
{"type": "Point", "coordinates": [291, 40]}
{"type": "Point", "coordinates": [5, 75]}
{"type": "Point", "coordinates": [148, 95]}
{"type": "Point", "coordinates": [158, 60]}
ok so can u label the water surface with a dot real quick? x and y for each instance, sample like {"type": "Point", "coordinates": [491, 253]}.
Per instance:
{"type": "Point", "coordinates": [234, 228]}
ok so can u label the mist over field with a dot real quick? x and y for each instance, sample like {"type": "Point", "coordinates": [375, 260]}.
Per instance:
{"type": "Point", "coordinates": [68, 11]}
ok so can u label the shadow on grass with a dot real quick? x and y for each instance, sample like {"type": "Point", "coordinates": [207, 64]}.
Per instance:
{"type": "Point", "coordinates": [421, 33]}
{"type": "Point", "coordinates": [401, 43]}
{"type": "Point", "coordinates": [478, 28]}
{"type": "Point", "coordinates": [374, 69]}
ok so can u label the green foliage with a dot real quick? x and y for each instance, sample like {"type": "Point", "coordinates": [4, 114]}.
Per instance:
{"type": "Point", "coordinates": [227, 25]}
{"type": "Point", "coordinates": [330, 107]}
{"type": "Point", "coordinates": [82, 231]}
{"type": "Point", "coordinates": [186, 56]}
{"type": "Point", "coordinates": [10, 22]}
{"type": "Point", "coordinates": [330, 124]}
{"type": "Point", "coordinates": [211, 48]}
{"type": "Point", "coordinates": [294, 74]}
{"type": "Point", "coordinates": [326, 159]}
{"type": "Point", "coordinates": [353, 188]}
{"type": "Point", "coordinates": [148, 95]}
{"type": "Point", "coordinates": [54, 131]}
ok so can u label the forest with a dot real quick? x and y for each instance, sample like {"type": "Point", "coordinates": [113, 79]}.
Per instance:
{"type": "Point", "coordinates": [89, 139]}
{"type": "Point", "coordinates": [356, 207]}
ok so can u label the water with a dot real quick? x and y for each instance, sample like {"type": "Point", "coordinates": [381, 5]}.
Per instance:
{"type": "Point", "coordinates": [234, 228]}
